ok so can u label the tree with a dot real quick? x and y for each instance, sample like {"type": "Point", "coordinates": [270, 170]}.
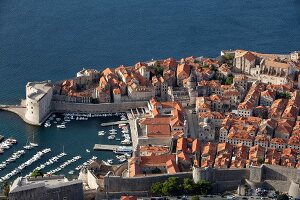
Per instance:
{"type": "Point", "coordinates": [283, 197]}
{"type": "Point", "coordinates": [195, 198]}
{"type": "Point", "coordinates": [188, 186]}
{"type": "Point", "coordinates": [260, 161]}
{"type": "Point", "coordinates": [229, 79]}
{"type": "Point", "coordinates": [156, 188]}
{"type": "Point", "coordinates": [203, 187]}
{"type": "Point", "coordinates": [171, 187]}
{"type": "Point", "coordinates": [5, 188]}
{"type": "Point", "coordinates": [228, 56]}
{"type": "Point", "coordinates": [37, 173]}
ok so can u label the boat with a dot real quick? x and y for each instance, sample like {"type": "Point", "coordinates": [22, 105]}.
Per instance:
{"type": "Point", "coordinates": [87, 150]}
{"type": "Point", "coordinates": [122, 125]}
{"type": "Point", "coordinates": [123, 150]}
{"type": "Point", "coordinates": [101, 134]}
{"type": "Point", "coordinates": [112, 129]}
{"type": "Point", "coordinates": [126, 142]}
{"type": "Point", "coordinates": [62, 126]}
{"type": "Point", "coordinates": [111, 137]}
{"type": "Point", "coordinates": [118, 139]}
{"type": "Point", "coordinates": [71, 172]}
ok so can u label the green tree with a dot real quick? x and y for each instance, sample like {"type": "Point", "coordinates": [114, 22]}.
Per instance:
{"type": "Point", "coordinates": [203, 187]}
{"type": "Point", "coordinates": [228, 56]}
{"type": "Point", "coordinates": [188, 186]}
{"type": "Point", "coordinates": [195, 198]}
{"type": "Point", "coordinates": [171, 187]}
{"type": "Point", "coordinates": [5, 188]}
{"type": "Point", "coordinates": [282, 197]}
{"type": "Point", "coordinates": [37, 173]}
{"type": "Point", "coordinates": [156, 188]}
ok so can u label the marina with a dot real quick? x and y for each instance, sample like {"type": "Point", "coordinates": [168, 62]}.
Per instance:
{"type": "Point", "coordinates": [81, 133]}
{"type": "Point", "coordinates": [61, 125]}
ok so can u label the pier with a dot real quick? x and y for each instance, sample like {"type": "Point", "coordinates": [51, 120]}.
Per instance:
{"type": "Point", "coordinates": [115, 123]}
{"type": "Point", "coordinates": [106, 147]}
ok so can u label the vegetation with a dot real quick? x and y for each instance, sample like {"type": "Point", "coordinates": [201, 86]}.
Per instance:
{"type": "Point", "coordinates": [37, 173]}
{"type": "Point", "coordinates": [260, 161]}
{"type": "Point", "coordinates": [283, 197]}
{"type": "Point", "coordinates": [195, 198]}
{"type": "Point", "coordinates": [228, 56]}
{"type": "Point", "coordinates": [5, 188]}
{"type": "Point", "coordinates": [173, 186]}
{"type": "Point", "coordinates": [229, 79]}
{"type": "Point", "coordinates": [284, 95]}
{"type": "Point", "coordinates": [159, 70]}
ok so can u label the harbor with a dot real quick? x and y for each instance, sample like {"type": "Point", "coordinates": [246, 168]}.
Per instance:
{"type": "Point", "coordinates": [63, 159]}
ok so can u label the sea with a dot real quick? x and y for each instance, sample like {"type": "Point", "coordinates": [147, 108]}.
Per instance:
{"type": "Point", "coordinates": [52, 40]}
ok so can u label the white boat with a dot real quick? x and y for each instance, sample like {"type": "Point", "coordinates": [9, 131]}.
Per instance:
{"type": "Point", "coordinates": [122, 160]}
{"type": "Point", "coordinates": [87, 150]}
{"type": "Point", "coordinates": [62, 126]}
{"type": "Point", "coordinates": [122, 125]}
{"type": "Point", "coordinates": [33, 144]}
{"type": "Point", "coordinates": [126, 142]}
{"type": "Point", "coordinates": [118, 139]}
{"type": "Point", "coordinates": [112, 129]}
{"type": "Point", "coordinates": [71, 172]}
{"type": "Point", "coordinates": [113, 133]}
{"type": "Point", "coordinates": [111, 137]}
{"type": "Point", "coordinates": [123, 150]}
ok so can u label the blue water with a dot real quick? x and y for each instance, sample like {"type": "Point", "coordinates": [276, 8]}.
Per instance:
{"type": "Point", "coordinates": [42, 40]}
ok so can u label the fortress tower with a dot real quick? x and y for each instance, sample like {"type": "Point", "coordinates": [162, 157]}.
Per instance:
{"type": "Point", "coordinates": [38, 101]}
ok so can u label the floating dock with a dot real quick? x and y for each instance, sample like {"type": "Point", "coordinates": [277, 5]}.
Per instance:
{"type": "Point", "coordinates": [115, 123]}
{"type": "Point", "coordinates": [105, 147]}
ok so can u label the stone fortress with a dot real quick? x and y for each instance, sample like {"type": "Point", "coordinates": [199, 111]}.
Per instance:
{"type": "Point", "coordinates": [282, 179]}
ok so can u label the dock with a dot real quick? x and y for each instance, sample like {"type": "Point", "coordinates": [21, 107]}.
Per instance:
{"type": "Point", "coordinates": [106, 147]}
{"type": "Point", "coordinates": [115, 123]}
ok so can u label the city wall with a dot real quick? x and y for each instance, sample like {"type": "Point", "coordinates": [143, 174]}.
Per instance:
{"type": "Point", "coordinates": [278, 178]}
{"type": "Point", "coordinates": [119, 184]}
{"type": "Point", "coordinates": [58, 106]}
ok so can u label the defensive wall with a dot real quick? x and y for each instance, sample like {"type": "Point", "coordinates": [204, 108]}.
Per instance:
{"type": "Point", "coordinates": [278, 178]}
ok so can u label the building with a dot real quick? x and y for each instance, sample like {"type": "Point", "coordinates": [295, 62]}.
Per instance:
{"type": "Point", "coordinates": [55, 187]}
{"type": "Point", "coordinates": [38, 101]}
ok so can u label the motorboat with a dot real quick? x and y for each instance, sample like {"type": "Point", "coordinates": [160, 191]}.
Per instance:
{"type": "Point", "coordinates": [126, 142]}
{"type": "Point", "coordinates": [33, 144]}
{"type": "Point", "coordinates": [111, 137]}
{"type": "Point", "coordinates": [62, 126]}
{"type": "Point", "coordinates": [71, 172]}
{"type": "Point", "coordinates": [123, 150]}
{"type": "Point", "coordinates": [87, 150]}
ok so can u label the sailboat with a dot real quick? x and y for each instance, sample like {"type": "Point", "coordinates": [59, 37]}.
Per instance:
{"type": "Point", "coordinates": [33, 144]}
{"type": "Point", "coordinates": [27, 146]}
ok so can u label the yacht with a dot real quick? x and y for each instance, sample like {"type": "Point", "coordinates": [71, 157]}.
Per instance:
{"type": "Point", "coordinates": [71, 172]}
{"type": "Point", "coordinates": [126, 142]}
{"type": "Point", "coordinates": [111, 137]}
{"type": "Point", "coordinates": [123, 150]}
{"type": "Point", "coordinates": [112, 129]}
{"type": "Point", "coordinates": [62, 126]}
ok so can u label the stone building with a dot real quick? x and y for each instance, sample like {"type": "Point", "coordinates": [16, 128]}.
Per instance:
{"type": "Point", "coordinates": [55, 187]}
{"type": "Point", "coordinates": [38, 101]}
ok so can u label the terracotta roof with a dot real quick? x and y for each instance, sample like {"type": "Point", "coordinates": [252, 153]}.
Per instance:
{"type": "Point", "coordinates": [158, 130]}
{"type": "Point", "coordinates": [171, 166]}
